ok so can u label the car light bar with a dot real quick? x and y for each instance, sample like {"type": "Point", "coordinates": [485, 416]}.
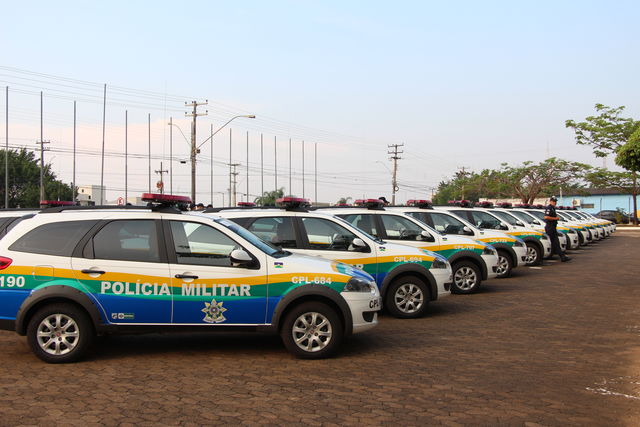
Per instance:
{"type": "Point", "coordinates": [485, 204]}
{"type": "Point", "coordinates": [292, 202]}
{"type": "Point", "coordinates": [419, 203]}
{"type": "Point", "coordinates": [246, 204]}
{"type": "Point", "coordinates": [538, 206]}
{"type": "Point", "coordinates": [343, 205]}
{"type": "Point", "coordinates": [55, 203]}
{"type": "Point", "coordinates": [506, 205]}
{"type": "Point", "coordinates": [168, 199]}
{"type": "Point", "coordinates": [369, 203]}
{"type": "Point", "coordinates": [461, 203]}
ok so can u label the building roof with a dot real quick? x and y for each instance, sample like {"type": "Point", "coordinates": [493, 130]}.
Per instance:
{"type": "Point", "coordinates": [608, 191]}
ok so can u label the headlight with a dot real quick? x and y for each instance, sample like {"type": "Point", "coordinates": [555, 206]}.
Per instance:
{"type": "Point", "coordinates": [544, 237]}
{"type": "Point", "coordinates": [357, 284]}
{"type": "Point", "coordinates": [440, 262]}
{"type": "Point", "coordinates": [488, 250]}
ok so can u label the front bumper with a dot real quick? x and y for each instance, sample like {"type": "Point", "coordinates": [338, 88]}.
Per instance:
{"type": "Point", "coordinates": [491, 261]}
{"type": "Point", "coordinates": [444, 279]}
{"type": "Point", "coordinates": [364, 309]}
{"type": "Point", "coordinates": [521, 255]}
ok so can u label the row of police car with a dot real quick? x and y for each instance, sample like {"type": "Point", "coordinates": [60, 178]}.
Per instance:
{"type": "Point", "coordinates": [312, 275]}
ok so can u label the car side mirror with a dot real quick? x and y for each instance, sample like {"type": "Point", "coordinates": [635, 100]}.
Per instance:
{"type": "Point", "coordinates": [357, 245]}
{"type": "Point", "coordinates": [520, 223]}
{"type": "Point", "coordinates": [535, 221]}
{"type": "Point", "coordinates": [240, 258]}
{"type": "Point", "coordinates": [503, 227]}
{"type": "Point", "coordinates": [467, 231]}
{"type": "Point", "coordinates": [426, 236]}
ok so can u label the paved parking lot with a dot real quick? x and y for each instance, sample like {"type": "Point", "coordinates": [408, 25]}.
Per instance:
{"type": "Point", "coordinates": [553, 346]}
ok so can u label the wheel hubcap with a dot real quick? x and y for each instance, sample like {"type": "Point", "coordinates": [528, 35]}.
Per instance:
{"type": "Point", "coordinates": [409, 298]}
{"type": "Point", "coordinates": [532, 255]}
{"type": "Point", "coordinates": [58, 334]}
{"type": "Point", "coordinates": [465, 278]}
{"type": "Point", "coordinates": [503, 264]}
{"type": "Point", "coordinates": [312, 331]}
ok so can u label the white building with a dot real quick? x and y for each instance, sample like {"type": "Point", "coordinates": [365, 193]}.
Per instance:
{"type": "Point", "coordinates": [89, 195]}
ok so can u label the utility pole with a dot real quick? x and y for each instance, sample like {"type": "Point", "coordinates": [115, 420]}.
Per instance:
{"type": "Point", "coordinates": [126, 156]}
{"type": "Point", "coordinates": [303, 193]}
{"type": "Point", "coordinates": [261, 166]}
{"type": "Point", "coordinates": [149, 134]}
{"type": "Point", "coordinates": [247, 197]}
{"type": "Point", "coordinates": [395, 156]}
{"type": "Point", "coordinates": [104, 125]}
{"type": "Point", "coordinates": [42, 150]}
{"type": "Point", "coordinates": [234, 181]}
{"type": "Point", "coordinates": [73, 187]}
{"type": "Point", "coordinates": [315, 172]}
{"type": "Point", "coordinates": [161, 172]}
{"type": "Point", "coordinates": [290, 187]}
{"type": "Point", "coordinates": [230, 167]}
{"type": "Point", "coordinates": [6, 152]}
{"type": "Point", "coordinates": [171, 155]}
{"type": "Point", "coordinates": [194, 150]}
{"type": "Point", "coordinates": [275, 160]}
{"type": "Point", "coordinates": [211, 184]}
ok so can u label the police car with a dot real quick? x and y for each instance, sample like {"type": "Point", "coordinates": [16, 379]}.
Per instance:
{"type": "Point", "coordinates": [604, 225]}
{"type": "Point", "coordinates": [9, 218]}
{"type": "Point", "coordinates": [586, 233]}
{"type": "Point", "coordinates": [511, 250]}
{"type": "Point", "coordinates": [472, 261]}
{"type": "Point", "coordinates": [569, 238]}
{"type": "Point", "coordinates": [71, 272]}
{"type": "Point", "coordinates": [408, 278]}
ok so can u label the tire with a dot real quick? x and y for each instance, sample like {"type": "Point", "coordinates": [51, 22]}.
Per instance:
{"type": "Point", "coordinates": [466, 277]}
{"type": "Point", "coordinates": [534, 254]}
{"type": "Point", "coordinates": [312, 330]}
{"type": "Point", "coordinates": [60, 333]}
{"type": "Point", "coordinates": [407, 297]}
{"type": "Point", "coordinates": [505, 264]}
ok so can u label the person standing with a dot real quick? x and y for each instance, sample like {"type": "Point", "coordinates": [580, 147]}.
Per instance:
{"type": "Point", "coordinates": [551, 219]}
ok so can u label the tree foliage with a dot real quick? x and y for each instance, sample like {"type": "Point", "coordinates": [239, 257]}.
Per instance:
{"type": "Point", "coordinates": [24, 180]}
{"type": "Point", "coordinates": [269, 198]}
{"type": "Point", "coordinates": [344, 200]}
{"type": "Point", "coordinates": [628, 155]}
{"type": "Point", "coordinates": [526, 181]}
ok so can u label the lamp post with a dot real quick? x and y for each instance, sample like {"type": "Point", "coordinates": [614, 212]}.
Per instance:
{"type": "Point", "coordinates": [196, 149]}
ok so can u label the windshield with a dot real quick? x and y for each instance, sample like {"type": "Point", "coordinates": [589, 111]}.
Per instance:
{"type": "Point", "coordinates": [265, 247]}
{"type": "Point", "coordinates": [509, 219]}
{"type": "Point", "coordinates": [528, 219]}
{"type": "Point", "coordinates": [374, 238]}
{"type": "Point", "coordinates": [537, 214]}
{"type": "Point", "coordinates": [564, 216]}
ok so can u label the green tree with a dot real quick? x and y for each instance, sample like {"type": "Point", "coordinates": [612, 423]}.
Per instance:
{"type": "Point", "coordinates": [344, 200]}
{"type": "Point", "coordinates": [606, 133]}
{"type": "Point", "coordinates": [604, 178]}
{"type": "Point", "coordinates": [24, 180]}
{"type": "Point", "coordinates": [269, 197]}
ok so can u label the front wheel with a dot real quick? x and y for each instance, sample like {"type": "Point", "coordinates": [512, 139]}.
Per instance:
{"type": "Point", "coordinates": [534, 254]}
{"type": "Point", "coordinates": [407, 297]}
{"type": "Point", "coordinates": [504, 264]}
{"type": "Point", "coordinates": [466, 278]}
{"type": "Point", "coordinates": [312, 330]}
{"type": "Point", "coordinates": [60, 333]}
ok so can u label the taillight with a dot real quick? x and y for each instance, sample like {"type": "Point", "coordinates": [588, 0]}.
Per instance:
{"type": "Point", "coordinates": [5, 262]}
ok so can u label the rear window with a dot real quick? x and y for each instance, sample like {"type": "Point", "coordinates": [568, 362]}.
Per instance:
{"type": "Point", "coordinates": [55, 238]}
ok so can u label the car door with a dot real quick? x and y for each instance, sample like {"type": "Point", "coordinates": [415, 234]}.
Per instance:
{"type": "Point", "coordinates": [329, 239]}
{"type": "Point", "coordinates": [125, 267]}
{"type": "Point", "coordinates": [209, 288]}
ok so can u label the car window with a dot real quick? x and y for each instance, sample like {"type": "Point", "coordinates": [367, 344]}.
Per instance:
{"type": "Point", "coordinates": [325, 234]}
{"type": "Point", "coordinates": [127, 240]}
{"type": "Point", "coordinates": [509, 219]}
{"type": "Point", "coordinates": [399, 228]}
{"type": "Point", "coordinates": [484, 220]}
{"type": "Point", "coordinates": [200, 244]}
{"type": "Point", "coordinates": [526, 218]}
{"type": "Point", "coordinates": [447, 224]}
{"type": "Point", "coordinates": [277, 230]}
{"type": "Point", "coordinates": [54, 238]}
{"type": "Point", "coordinates": [365, 222]}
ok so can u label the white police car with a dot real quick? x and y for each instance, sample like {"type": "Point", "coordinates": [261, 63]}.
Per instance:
{"type": "Point", "coordinates": [472, 261]}
{"type": "Point", "coordinates": [512, 251]}
{"type": "Point", "coordinates": [408, 278]}
{"type": "Point", "coordinates": [69, 273]}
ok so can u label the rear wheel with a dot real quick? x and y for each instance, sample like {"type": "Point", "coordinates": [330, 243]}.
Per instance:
{"type": "Point", "coordinates": [60, 333]}
{"type": "Point", "coordinates": [312, 330]}
{"type": "Point", "coordinates": [407, 297]}
{"type": "Point", "coordinates": [504, 264]}
{"type": "Point", "coordinates": [466, 277]}
{"type": "Point", "coordinates": [534, 254]}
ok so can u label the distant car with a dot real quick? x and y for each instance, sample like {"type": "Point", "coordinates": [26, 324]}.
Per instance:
{"type": "Point", "coordinates": [614, 216]}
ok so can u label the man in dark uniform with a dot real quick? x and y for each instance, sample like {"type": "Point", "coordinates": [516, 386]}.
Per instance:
{"type": "Point", "coordinates": [551, 218]}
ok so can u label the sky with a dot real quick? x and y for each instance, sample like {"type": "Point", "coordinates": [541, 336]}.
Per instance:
{"type": "Point", "coordinates": [460, 84]}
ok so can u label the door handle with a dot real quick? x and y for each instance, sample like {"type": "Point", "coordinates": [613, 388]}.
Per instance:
{"type": "Point", "coordinates": [90, 271]}
{"type": "Point", "coordinates": [186, 276]}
